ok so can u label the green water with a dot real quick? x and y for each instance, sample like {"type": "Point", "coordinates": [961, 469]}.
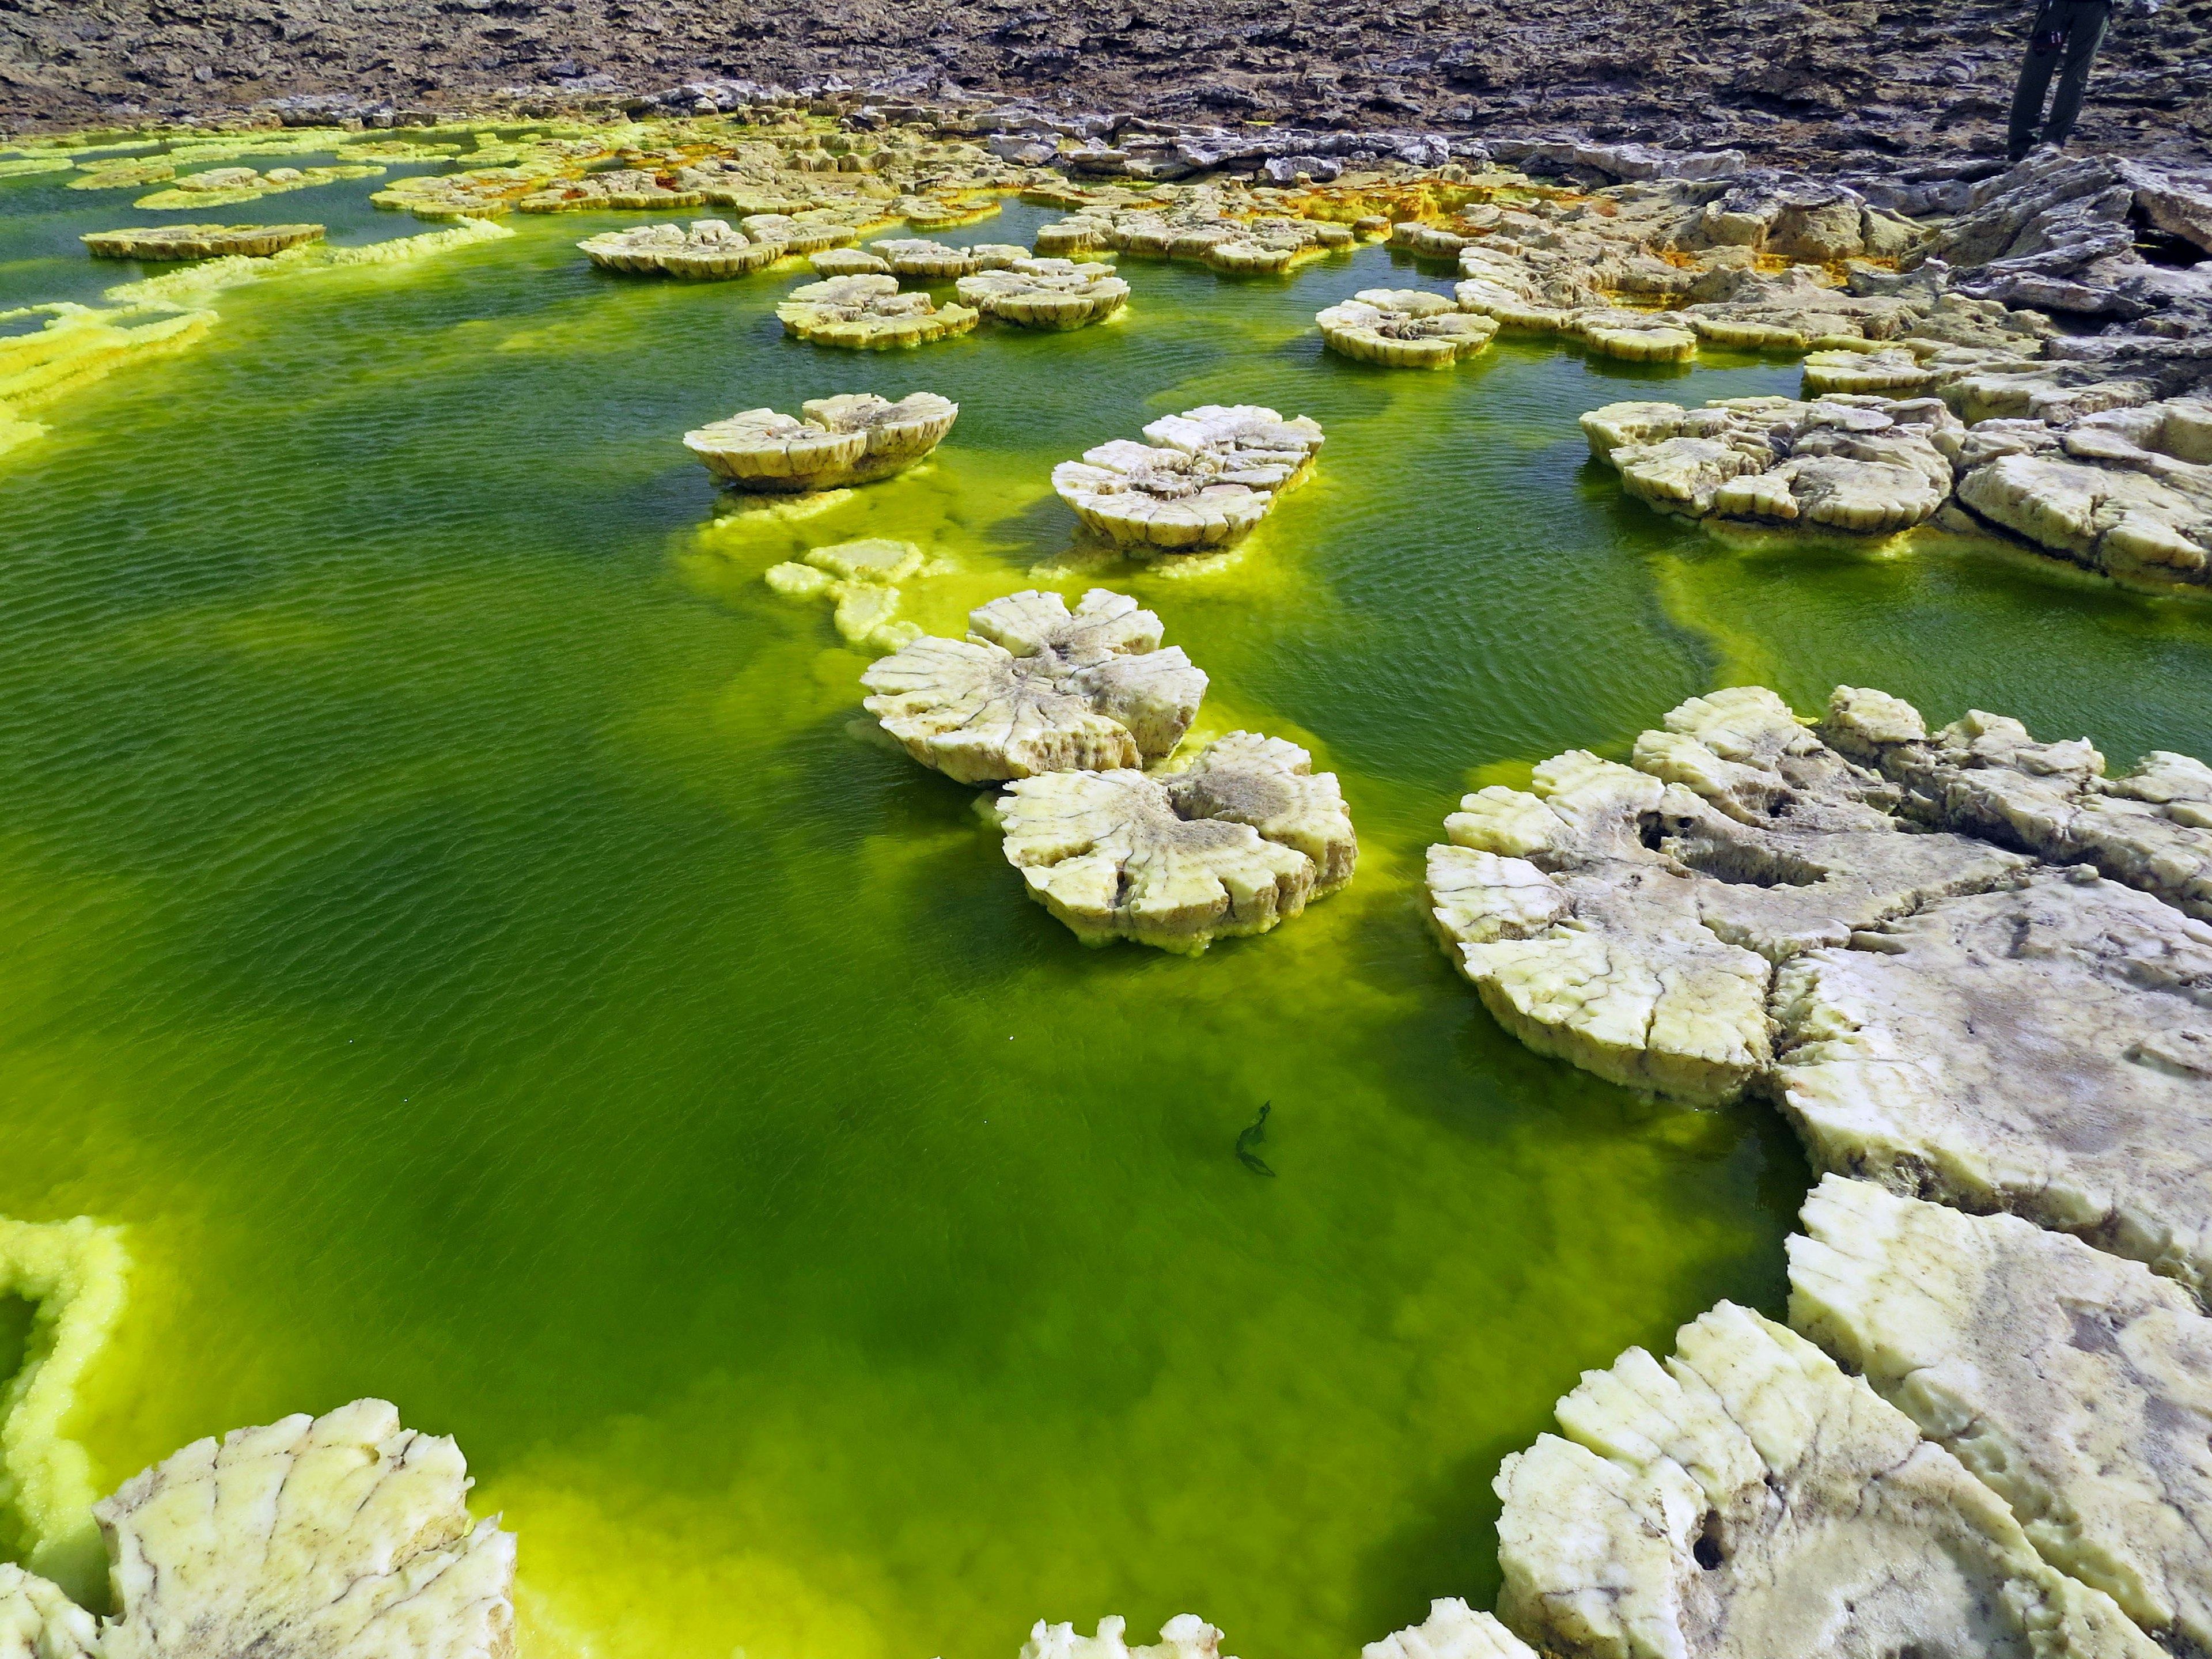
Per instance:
{"type": "Point", "coordinates": [448, 919]}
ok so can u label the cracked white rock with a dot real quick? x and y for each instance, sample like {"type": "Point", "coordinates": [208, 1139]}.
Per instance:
{"type": "Point", "coordinates": [1452, 1630]}
{"type": "Point", "coordinates": [853, 438]}
{"type": "Point", "coordinates": [1034, 688]}
{"type": "Point", "coordinates": [709, 247]}
{"type": "Point", "coordinates": [1628, 918]}
{"type": "Point", "coordinates": [1404, 328]}
{"type": "Point", "coordinates": [1054, 294]}
{"type": "Point", "coordinates": [37, 1621]}
{"type": "Point", "coordinates": [344, 1534]}
{"type": "Point", "coordinates": [919, 256]}
{"type": "Point", "coordinates": [869, 313]}
{"type": "Point", "coordinates": [2075, 1385]}
{"type": "Point", "coordinates": [1232, 846]}
{"type": "Point", "coordinates": [2042, 1048]}
{"type": "Point", "coordinates": [1747, 1498]}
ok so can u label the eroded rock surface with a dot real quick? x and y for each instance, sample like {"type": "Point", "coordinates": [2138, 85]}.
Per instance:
{"type": "Point", "coordinates": [1747, 1498]}
{"type": "Point", "coordinates": [1859, 464]}
{"type": "Point", "coordinates": [853, 438]}
{"type": "Point", "coordinates": [1055, 294]}
{"type": "Point", "coordinates": [199, 241]}
{"type": "Point", "coordinates": [1404, 328]}
{"type": "Point", "coordinates": [344, 1534]}
{"type": "Point", "coordinates": [1452, 1630]}
{"type": "Point", "coordinates": [1209, 476]}
{"type": "Point", "coordinates": [2075, 1385]}
{"type": "Point", "coordinates": [37, 1621]}
{"type": "Point", "coordinates": [708, 248]}
{"type": "Point", "coordinates": [1231, 846]}
{"type": "Point", "coordinates": [1034, 688]}
{"type": "Point", "coordinates": [869, 313]}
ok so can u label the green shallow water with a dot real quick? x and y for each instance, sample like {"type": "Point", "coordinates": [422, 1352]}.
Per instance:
{"type": "Point", "coordinates": [451, 922]}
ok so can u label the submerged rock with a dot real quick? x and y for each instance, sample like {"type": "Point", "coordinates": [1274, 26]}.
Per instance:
{"type": "Point", "coordinates": [1232, 846]}
{"type": "Point", "coordinates": [1056, 293]}
{"type": "Point", "coordinates": [1209, 475]}
{"type": "Point", "coordinates": [344, 1534]}
{"type": "Point", "coordinates": [2075, 1385]}
{"type": "Point", "coordinates": [853, 438]}
{"type": "Point", "coordinates": [860, 580]}
{"type": "Point", "coordinates": [1404, 329]}
{"type": "Point", "coordinates": [869, 313]}
{"type": "Point", "coordinates": [73, 1275]}
{"type": "Point", "coordinates": [199, 241]}
{"type": "Point", "coordinates": [1747, 1498]}
{"type": "Point", "coordinates": [709, 248]}
{"type": "Point", "coordinates": [1860, 464]}
{"type": "Point", "coordinates": [1034, 688]}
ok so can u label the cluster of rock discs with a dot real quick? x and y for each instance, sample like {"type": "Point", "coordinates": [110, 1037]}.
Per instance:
{"type": "Point", "coordinates": [1073, 713]}
{"type": "Point", "coordinates": [1203, 226]}
{"type": "Point", "coordinates": [1203, 482]}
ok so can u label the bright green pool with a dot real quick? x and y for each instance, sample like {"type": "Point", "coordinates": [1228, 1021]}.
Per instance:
{"type": "Point", "coordinates": [448, 919]}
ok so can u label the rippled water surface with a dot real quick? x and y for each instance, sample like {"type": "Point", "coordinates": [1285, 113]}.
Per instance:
{"type": "Point", "coordinates": [450, 919]}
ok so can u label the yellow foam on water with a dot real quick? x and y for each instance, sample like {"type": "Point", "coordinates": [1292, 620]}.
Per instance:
{"type": "Point", "coordinates": [73, 1273]}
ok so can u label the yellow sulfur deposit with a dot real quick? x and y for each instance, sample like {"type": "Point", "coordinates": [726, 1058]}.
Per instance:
{"type": "Point", "coordinates": [72, 1274]}
{"type": "Point", "coordinates": [78, 345]}
{"type": "Point", "coordinates": [228, 186]}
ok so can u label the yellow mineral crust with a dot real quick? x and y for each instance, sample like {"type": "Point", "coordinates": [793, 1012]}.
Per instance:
{"type": "Point", "coordinates": [869, 313]}
{"type": "Point", "coordinates": [228, 186]}
{"type": "Point", "coordinates": [1035, 688]}
{"type": "Point", "coordinates": [1747, 1500]}
{"type": "Point", "coordinates": [73, 1274]}
{"type": "Point", "coordinates": [1404, 328]}
{"type": "Point", "coordinates": [78, 345]}
{"type": "Point", "coordinates": [199, 241]}
{"type": "Point", "coordinates": [853, 438]}
{"type": "Point", "coordinates": [1233, 845]}
{"type": "Point", "coordinates": [346, 1535]}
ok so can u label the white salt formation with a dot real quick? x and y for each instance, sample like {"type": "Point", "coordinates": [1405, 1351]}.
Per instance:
{"type": "Point", "coordinates": [869, 313]}
{"type": "Point", "coordinates": [936, 262]}
{"type": "Point", "coordinates": [1403, 328]}
{"type": "Point", "coordinates": [345, 1536]}
{"type": "Point", "coordinates": [1452, 1630]}
{"type": "Point", "coordinates": [37, 1621]}
{"type": "Point", "coordinates": [853, 438]}
{"type": "Point", "coordinates": [1185, 1636]}
{"type": "Point", "coordinates": [708, 248]}
{"type": "Point", "coordinates": [2075, 1385]}
{"type": "Point", "coordinates": [1034, 688]}
{"type": "Point", "coordinates": [1747, 1498]}
{"type": "Point", "coordinates": [1209, 476]}
{"type": "Point", "coordinates": [199, 241]}
{"type": "Point", "coordinates": [1055, 293]}
{"type": "Point", "coordinates": [1235, 844]}
{"type": "Point", "coordinates": [860, 579]}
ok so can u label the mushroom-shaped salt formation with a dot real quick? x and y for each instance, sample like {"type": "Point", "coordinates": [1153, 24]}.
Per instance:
{"type": "Point", "coordinates": [1209, 476]}
{"type": "Point", "coordinates": [1056, 293]}
{"type": "Point", "coordinates": [1643, 337]}
{"type": "Point", "coordinates": [1747, 1500]}
{"type": "Point", "coordinates": [1034, 690]}
{"type": "Point", "coordinates": [869, 313]}
{"type": "Point", "coordinates": [918, 257]}
{"type": "Point", "coordinates": [709, 248]}
{"type": "Point", "coordinates": [2077, 1384]}
{"type": "Point", "coordinates": [849, 439]}
{"type": "Point", "coordinates": [847, 262]}
{"type": "Point", "coordinates": [344, 1534]}
{"type": "Point", "coordinates": [1404, 328]}
{"type": "Point", "coordinates": [199, 241]}
{"type": "Point", "coordinates": [808, 234]}
{"type": "Point", "coordinates": [1230, 846]}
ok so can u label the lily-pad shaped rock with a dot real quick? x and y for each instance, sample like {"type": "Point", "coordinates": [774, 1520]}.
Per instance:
{"type": "Point", "coordinates": [1056, 293]}
{"type": "Point", "coordinates": [342, 1534]}
{"type": "Point", "coordinates": [1404, 328]}
{"type": "Point", "coordinates": [1232, 846]}
{"type": "Point", "coordinates": [199, 241]}
{"type": "Point", "coordinates": [1254, 445]}
{"type": "Point", "coordinates": [846, 440]}
{"type": "Point", "coordinates": [2076, 1385]}
{"type": "Point", "coordinates": [919, 256]}
{"type": "Point", "coordinates": [847, 262]}
{"type": "Point", "coordinates": [1141, 497]}
{"type": "Point", "coordinates": [808, 234]}
{"type": "Point", "coordinates": [1747, 1500]}
{"type": "Point", "coordinates": [1035, 688]}
{"type": "Point", "coordinates": [869, 313]}
{"type": "Point", "coordinates": [1638, 336]}
{"type": "Point", "coordinates": [708, 248]}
